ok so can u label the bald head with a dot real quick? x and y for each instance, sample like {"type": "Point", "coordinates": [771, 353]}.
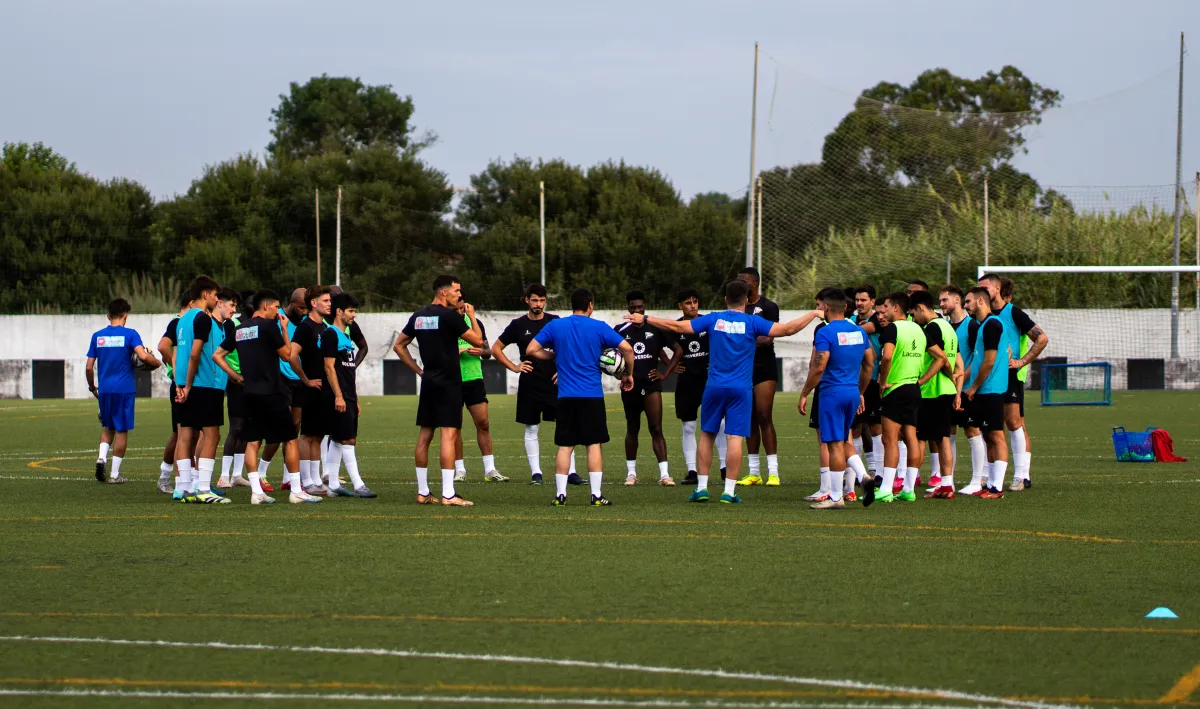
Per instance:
{"type": "Point", "coordinates": [297, 299]}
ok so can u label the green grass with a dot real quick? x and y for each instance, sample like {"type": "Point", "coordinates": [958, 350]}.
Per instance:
{"type": "Point", "coordinates": [1040, 595]}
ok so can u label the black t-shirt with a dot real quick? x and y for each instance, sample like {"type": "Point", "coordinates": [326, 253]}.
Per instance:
{"type": "Point", "coordinates": [342, 352]}
{"type": "Point", "coordinates": [765, 354]}
{"type": "Point", "coordinates": [307, 336]}
{"type": "Point", "coordinates": [647, 342]}
{"type": "Point", "coordinates": [695, 355]}
{"type": "Point", "coordinates": [933, 336]}
{"type": "Point", "coordinates": [887, 335]}
{"type": "Point", "coordinates": [972, 333]}
{"type": "Point", "coordinates": [1023, 322]}
{"type": "Point", "coordinates": [520, 332]}
{"type": "Point", "coordinates": [201, 327]}
{"type": "Point", "coordinates": [436, 329]}
{"type": "Point", "coordinates": [993, 332]}
{"type": "Point", "coordinates": [172, 332]}
{"type": "Point", "coordinates": [257, 342]}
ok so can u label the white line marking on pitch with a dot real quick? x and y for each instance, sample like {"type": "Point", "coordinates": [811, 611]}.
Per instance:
{"type": "Point", "coordinates": [518, 659]}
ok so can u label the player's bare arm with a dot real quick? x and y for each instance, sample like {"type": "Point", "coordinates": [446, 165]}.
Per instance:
{"type": "Point", "coordinates": [148, 359]}
{"type": "Point", "coordinates": [1039, 341]}
{"type": "Point", "coordinates": [339, 403]}
{"type": "Point", "coordinates": [655, 375]}
{"type": "Point", "coordinates": [985, 368]}
{"type": "Point", "coordinates": [90, 373]}
{"type": "Point", "coordinates": [679, 327]}
{"type": "Point", "coordinates": [219, 357]}
{"type": "Point", "coordinates": [960, 378]}
{"type": "Point", "coordinates": [885, 364]}
{"type": "Point", "coordinates": [193, 365]}
{"type": "Point", "coordinates": [675, 366]}
{"type": "Point", "coordinates": [936, 365]}
{"type": "Point", "coordinates": [360, 343]}
{"type": "Point", "coordinates": [498, 353]}
{"type": "Point", "coordinates": [816, 367]}
{"type": "Point", "coordinates": [474, 335]}
{"type": "Point", "coordinates": [789, 328]}
{"type": "Point", "coordinates": [401, 350]}
{"type": "Point", "coordinates": [626, 350]}
{"type": "Point", "coordinates": [168, 351]}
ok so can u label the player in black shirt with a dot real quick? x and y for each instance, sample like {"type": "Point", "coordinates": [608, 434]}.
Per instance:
{"type": "Point", "coordinates": [766, 379]}
{"type": "Point", "coordinates": [649, 346]}
{"type": "Point", "coordinates": [537, 387]}
{"type": "Point", "coordinates": [340, 395]}
{"type": "Point", "coordinates": [360, 353]}
{"type": "Point", "coordinates": [228, 305]}
{"type": "Point", "coordinates": [436, 329]}
{"type": "Point", "coordinates": [312, 406]}
{"type": "Point", "coordinates": [690, 362]}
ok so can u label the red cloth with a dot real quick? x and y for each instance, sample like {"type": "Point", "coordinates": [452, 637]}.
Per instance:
{"type": "Point", "coordinates": [1164, 448]}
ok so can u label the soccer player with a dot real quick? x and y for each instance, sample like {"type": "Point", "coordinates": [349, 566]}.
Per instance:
{"type": "Point", "coordinates": [1018, 327]}
{"type": "Point", "coordinates": [312, 406]}
{"type": "Point", "coordinates": [842, 365]}
{"type": "Point", "coordinates": [437, 328]}
{"type": "Point", "coordinates": [200, 391]}
{"type": "Point", "coordinates": [234, 452]}
{"type": "Point", "coordinates": [950, 299]}
{"type": "Point", "coordinates": [766, 378]}
{"type": "Point", "coordinates": [871, 427]}
{"type": "Point", "coordinates": [690, 362]}
{"type": "Point", "coordinates": [166, 348]}
{"type": "Point", "coordinates": [470, 361]}
{"type": "Point", "coordinates": [648, 345]}
{"type": "Point", "coordinates": [355, 333]}
{"type": "Point", "coordinates": [903, 351]}
{"type": "Point", "coordinates": [814, 410]}
{"type": "Point", "coordinates": [261, 343]}
{"type": "Point", "coordinates": [340, 395]}
{"type": "Point", "coordinates": [111, 351]}
{"type": "Point", "coordinates": [733, 337]}
{"type": "Point", "coordinates": [576, 343]}
{"type": "Point", "coordinates": [537, 387]}
{"type": "Point", "coordinates": [941, 388]}
{"type": "Point", "coordinates": [916, 286]}
{"type": "Point", "coordinates": [987, 389]}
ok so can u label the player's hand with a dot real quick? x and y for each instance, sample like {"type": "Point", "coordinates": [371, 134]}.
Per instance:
{"type": "Point", "coordinates": [238, 379]}
{"type": "Point", "coordinates": [554, 379]}
{"type": "Point", "coordinates": [1015, 364]}
{"type": "Point", "coordinates": [282, 319]}
{"type": "Point", "coordinates": [635, 318]}
{"type": "Point", "coordinates": [958, 402]}
{"type": "Point", "coordinates": [627, 383]}
{"type": "Point", "coordinates": [525, 367]}
{"type": "Point", "coordinates": [680, 369]}
{"type": "Point", "coordinates": [802, 405]}
{"type": "Point", "coordinates": [96, 392]}
{"type": "Point", "coordinates": [862, 405]}
{"type": "Point", "coordinates": [655, 375]}
{"type": "Point", "coordinates": [970, 394]}
{"type": "Point", "coordinates": [468, 309]}
{"type": "Point", "coordinates": [313, 383]}
{"type": "Point", "coordinates": [476, 351]}
{"type": "Point", "coordinates": [181, 395]}
{"type": "Point", "coordinates": [339, 405]}
{"type": "Point", "coordinates": [358, 409]}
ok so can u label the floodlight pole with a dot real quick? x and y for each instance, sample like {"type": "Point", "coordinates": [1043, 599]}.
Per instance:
{"type": "Point", "coordinates": [337, 256]}
{"type": "Point", "coordinates": [542, 225]}
{"type": "Point", "coordinates": [758, 210]}
{"type": "Point", "coordinates": [753, 172]}
{"type": "Point", "coordinates": [1196, 207]}
{"type": "Point", "coordinates": [318, 215]}
{"type": "Point", "coordinates": [986, 225]}
{"type": "Point", "coordinates": [1178, 213]}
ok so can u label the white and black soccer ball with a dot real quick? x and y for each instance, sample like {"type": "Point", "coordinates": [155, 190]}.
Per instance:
{"type": "Point", "coordinates": [612, 363]}
{"type": "Point", "coordinates": [138, 364]}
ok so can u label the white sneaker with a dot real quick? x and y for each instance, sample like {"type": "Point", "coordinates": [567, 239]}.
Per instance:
{"type": "Point", "coordinates": [460, 476]}
{"type": "Point", "coordinates": [817, 496]}
{"type": "Point", "coordinates": [630, 480]}
{"type": "Point", "coordinates": [1017, 485]}
{"type": "Point", "coordinates": [298, 497]}
{"type": "Point", "coordinates": [971, 489]}
{"type": "Point", "coordinates": [828, 504]}
{"type": "Point", "coordinates": [239, 481]}
{"type": "Point", "coordinates": [260, 498]}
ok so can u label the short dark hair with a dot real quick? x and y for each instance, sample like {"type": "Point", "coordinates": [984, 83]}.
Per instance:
{"type": "Point", "coordinates": [751, 271]}
{"type": "Point", "coordinates": [821, 294]}
{"type": "Point", "coordinates": [228, 294]}
{"type": "Point", "coordinates": [921, 297]}
{"type": "Point", "coordinates": [736, 292]}
{"type": "Point", "coordinates": [264, 296]}
{"type": "Point", "coordinates": [535, 289]}
{"type": "Point", "coordinates": [444, 281]}
{"type": "Point", "coordinates": [1006, 287]}
{"type": "Point", "coordinates": [866, 288]}
{"type": "Point", "coordinates": [118, 307]}
{"type": "Point", "coordinates": [899, 298]}
{"type": "Point", "coordinates": [834, 298]}
{"type": "Point", "coordinates": [989, 277]}
{"type": "Point", "coordinates": [581, 298]}
{"type": "Point", "coordinates": [952, 290]}
{"type": "Point", "coordinates": [919, 282]}
{"type": "Point", "coordinates": [344, 301]}
{"type": "Point", "coordinates": [313, 292]}
{"type": "Point", "coordinates": [687, 293]}
{"type": "Point", "coordinates": [981, 292]}
{"type": "Point", "coordinates": [186, 297]}
{"type": "Point", "coordinates": [201, 285]}
{"type": "Point", "coordinates": [635, 295]}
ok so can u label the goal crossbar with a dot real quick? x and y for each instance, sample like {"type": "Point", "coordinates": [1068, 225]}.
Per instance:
{"type": "Point", "coordinates": [1088, 269]}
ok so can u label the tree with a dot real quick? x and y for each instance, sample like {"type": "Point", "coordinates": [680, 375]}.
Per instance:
{"type": "Point", "coordinates": [338, 114]}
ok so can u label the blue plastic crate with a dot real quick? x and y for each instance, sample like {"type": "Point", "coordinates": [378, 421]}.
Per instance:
{"type": "Point", "coordinates": [1133, 447]}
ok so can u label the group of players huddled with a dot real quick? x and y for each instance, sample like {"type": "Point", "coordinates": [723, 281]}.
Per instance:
{"type": "Point", "coordinates": [886, 378]}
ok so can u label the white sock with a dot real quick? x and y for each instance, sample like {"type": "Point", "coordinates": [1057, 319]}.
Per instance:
{"type": "Point", "coordinates": [825, 484]}
{"type": "Point", "coordinates": [978, 459]}
{"type": "Point", "coordinates": [263, 465]}
{"type": "Point", "coordinates": [350, 456]}
{"type": "Point", "coordinates": [910, 479]}
{"type": "Point", "coordinates": [848, 480]}
{"type": "Point", "coordinates": [571, 467]}
{"type": "Point", "coordinates": [102, 456]}
{"type": "Point", "coordinates": [876, 454]}
{"type": "Point", "coordinates": [996, 476]}
{"type": "Point", "coordinates": [305, 474]}
{"type": "Point", "coordinates": [183, 483]}
{"type": "Point", "coordinates": [314, 472]}
{"type": "Point", "coordinates": [752, 460]}
{"type": "Point", "coordinates": [594, 480]}
{"type": "Point", "coordinates": [164, 471]}
{"type": "Point", "coordinates": [730, 486]}
{"type": "Point", "coordinates": [460, 466]}
{"type": "Point", "coordinates": [947, 480]}
{"type": "Point", "coordinates": [722, 444]}
{"type": "Point", "coordinates": [256, 484]}
{"type": "Point", "coordinates": [889, 480]}
{"type": "Point", "coordinates": [448, 483]}
{"type": "Point", "coordinates": [532, 450]}
{"type": "Point", "coordinates": [835, 484]}
{"type": "Point", "coordinates": [239, 464]}
{"type": "Point", "coordinates": [936, 465]}
{"type": "Point", "coordinates": [115, 471]}
{"type": "Point", "coordinates": [855, 465]}
{"type": "Point", "coordinates": [701, 481]}
{"type": "Point", "coordinates": [985, 481]}
{"type": "Point", "coordinates": [489, 464]}
{"type": "Point", "coordinates": [297, 484]}
{"type": "Point", "coordinates": [954, 451]}
{"type": "Point", "coordinates": [773, 465]}
{"type": "Point", "coordinates": [1016, 440]}
{"type": "Point", "coordinates": [858, 445]}
{"type": "Point", "coordinates": [631, 468]}
{"type": "Point", "coordinates": [662, 470]}
{"type": "Point", "coordinates": [1023, 465]}
{"type": "Point", "coordinates": [422, 481]}
{"type": "Point", "coordinates": [226, 464]}
{"type": "Point", "coordinates": [325, 441]}
{"type": "Point", "coordinates": [204, 480]}
{"type": "Point", "coordinates": [333, 461]}
{"type": "Point", "coordinates": [902, 461]}
{"type": "Point", "coordinates": [689, 444]}
{"type": "Point", "coordinates": [560, 484]}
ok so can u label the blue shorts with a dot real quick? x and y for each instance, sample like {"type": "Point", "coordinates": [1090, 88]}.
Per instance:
{"type": "Point", "coordinates": [836, 415]}
{"type": "Point", "coordinates": [733, 405]}
{"type": "Point", "coordinates": [116, 411]}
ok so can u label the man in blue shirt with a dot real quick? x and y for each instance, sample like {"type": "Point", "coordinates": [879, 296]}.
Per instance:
{"type": "Point", "coordinates": [111, 351]}
{"type": "Point", "coordinates": [732, 341]}
{"type": "Point", "coordinates": [842, 364]}
{"type": "Point", "coordinates": [575, 343]}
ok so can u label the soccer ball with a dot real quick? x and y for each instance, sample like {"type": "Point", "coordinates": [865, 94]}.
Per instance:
{"type": "Point", "coordinates": [138, 364]}
{"type": "Point", "coordinates": [612, 363]}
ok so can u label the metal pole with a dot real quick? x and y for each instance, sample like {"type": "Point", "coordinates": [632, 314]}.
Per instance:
{"type": "Point", "coordinates": [947, 266]}
{"type": "Point", "coordinates": [753, 171]}
{"type": "Point", "coordinates": [337, 263]}
{"type": "Point", "coordinates": [986, 226]}
{"type": "Point", "coordinates": [1178, 212]}
{"type": "Point", "coordinates": [1196, 207]}
{"type": "Point", "coordinates": [758, 214]}
{"type": "Point", "coordinates": [318, 233]}
{"type": "Point", "coordinates": [542, 223]}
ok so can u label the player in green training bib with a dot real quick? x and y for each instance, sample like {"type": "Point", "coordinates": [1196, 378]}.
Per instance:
{"type": "Point", "coordinates": [474, 394]}
{"type": "Point", "coordinates": [903, 344]}
{"type": "Point", "coordinates": [939, 390]}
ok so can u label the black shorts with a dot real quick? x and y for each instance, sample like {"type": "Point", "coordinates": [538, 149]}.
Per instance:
{"type": "Point", "coordinates": [764, 371]}
{"type": "Point", "coordinates": [234, 400]}
{"type": "Point", "coordinates": [313, 411]}
{"type": "Point", "coordinates": [204, 407]}
{"type": "Point", "coordinates": [581, 422]}
{"type": "Point", "coordinates": [987, 412]}
{"type": "Point", "coordinates": [537, 401]}
{"type": "Point", "coordinates": [688, 394]}
{"type": "Point", "coordinates": [440, 405]}
{"type": "Point", "coordinates": [174, 409]}
{"type": "Point", "coordinates": [634, 400]}
{"type": "Point", "coordinates": [268, 418]}
{"type": "Point", "coordinates": [343, 426]}
{"type": "Point", "coordinates": [293, 391]}
{"type": "Point", "coordinates": [962, 419]}
{"type": "Point", "coordinates": [814, 401]}
{"type": "Point", "coordinates": [902, 404]}
{"type": "Point", "coordinates": [1016, 391]}
{"type": "Point", "coordinates": [873, 402]}
{"type": "Point", "coordinates": [474, 392]}
{"type": "Point", "coordinates": [934, 418]}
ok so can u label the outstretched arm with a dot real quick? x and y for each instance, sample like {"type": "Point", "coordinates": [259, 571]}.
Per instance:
{"type": "Point", "coordinates": [791, 327]}
{"type": "Point", "coordinates": [536, 351]}
{"type": "Point", "coordinates": [679, 327]}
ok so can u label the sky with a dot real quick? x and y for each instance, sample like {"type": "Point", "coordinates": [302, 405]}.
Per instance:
{"type": "Point", "coordinates": [154, 91]}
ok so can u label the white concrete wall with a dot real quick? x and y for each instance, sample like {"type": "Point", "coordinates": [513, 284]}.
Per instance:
{"type": "Point", "coordinates": [1078, 335]}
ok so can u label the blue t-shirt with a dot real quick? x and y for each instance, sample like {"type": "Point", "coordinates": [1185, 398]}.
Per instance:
{"type": "Point", "coordinates": [846, 344]}
{"type": "Point", "coordinates": [732, 342]}
{"type": "Point", "coordinates": [577, 342]}
{"type": "Point", "coordinates": [112, 347]}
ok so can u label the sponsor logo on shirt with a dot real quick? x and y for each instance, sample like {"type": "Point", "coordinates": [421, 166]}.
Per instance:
{"type": "Point", "coordinates": [247, 333]}
{"type": "Point", "coordinates": [111, 341]}
{"type": "Point", "coordinates": [639, 351]}
{"type": "Point", "coordinates": [850, 338]}
{"type": "Point", "coordinates": [731, 327]}
{"type": "Point", "coordinates": [428, 322]}
{"type": "Point", "coordinates": [694, 346]}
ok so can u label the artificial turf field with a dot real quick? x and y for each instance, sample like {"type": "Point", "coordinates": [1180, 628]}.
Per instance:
{"type": "Point", "coordinates": [1035, 598]}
